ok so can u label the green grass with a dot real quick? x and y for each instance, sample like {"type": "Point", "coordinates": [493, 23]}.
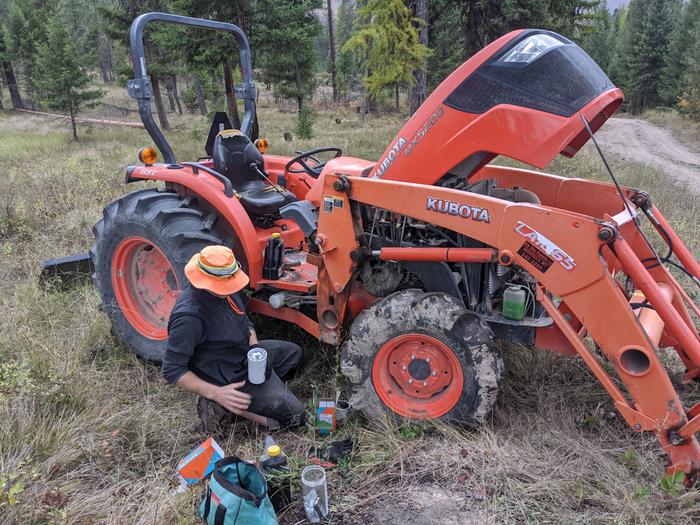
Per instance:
{"type": "Point", "coordinates": [90, 434]}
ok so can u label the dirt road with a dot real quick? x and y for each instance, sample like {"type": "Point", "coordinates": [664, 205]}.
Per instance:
{"type": "Point", "coordinates": [641, 141]}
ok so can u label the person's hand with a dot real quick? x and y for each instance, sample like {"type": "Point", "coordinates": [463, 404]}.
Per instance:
{"type": "Point", "coordinates": [231, 398]}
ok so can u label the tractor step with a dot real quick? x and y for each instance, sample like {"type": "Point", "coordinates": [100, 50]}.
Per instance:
{"type": "Point", "coordinates": [298, 274]}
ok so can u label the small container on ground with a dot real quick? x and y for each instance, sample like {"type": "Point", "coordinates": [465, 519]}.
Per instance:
{"type": "Point", "coordinates": [315, 491]}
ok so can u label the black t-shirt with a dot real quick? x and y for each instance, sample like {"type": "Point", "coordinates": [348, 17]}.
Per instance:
{"type": "Point", "coordinates": [207, 337]}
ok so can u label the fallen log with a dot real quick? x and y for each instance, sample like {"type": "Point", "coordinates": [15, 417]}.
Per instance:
{"type": "Point", "coordinates": [84, 120]}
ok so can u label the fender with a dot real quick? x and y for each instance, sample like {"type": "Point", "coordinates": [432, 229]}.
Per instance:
{"type": "Point", "coordinates": [211, 191]}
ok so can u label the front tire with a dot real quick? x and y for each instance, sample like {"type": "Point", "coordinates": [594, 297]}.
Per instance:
{"type": "Point", "coordinates": [141, 247]}
{"type": "Point", "coordinates": [418, 355]}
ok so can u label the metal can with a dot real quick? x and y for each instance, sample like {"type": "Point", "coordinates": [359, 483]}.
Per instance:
{"type": "Point", "coordinates": [257, 361]}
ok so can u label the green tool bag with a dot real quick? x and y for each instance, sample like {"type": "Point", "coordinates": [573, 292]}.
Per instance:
{"type": "Point", "coordinates": [237, 495]}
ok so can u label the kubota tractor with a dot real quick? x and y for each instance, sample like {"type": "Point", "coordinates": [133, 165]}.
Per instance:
{"type": "Point", "coordinates": [412, 265]}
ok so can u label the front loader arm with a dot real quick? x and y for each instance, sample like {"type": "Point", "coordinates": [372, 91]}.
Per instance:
{"type": "Point", "coordinates": [574, 258]}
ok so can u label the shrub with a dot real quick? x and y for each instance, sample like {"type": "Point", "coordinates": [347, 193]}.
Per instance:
{"type": "Point", "coordinates": [189, 99]}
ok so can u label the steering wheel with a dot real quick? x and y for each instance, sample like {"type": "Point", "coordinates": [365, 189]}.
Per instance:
{"type": "Point", "coordinates": [315, 169]}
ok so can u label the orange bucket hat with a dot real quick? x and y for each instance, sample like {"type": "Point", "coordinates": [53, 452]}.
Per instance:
{"type": "Point", "coordinates": [216, 269]}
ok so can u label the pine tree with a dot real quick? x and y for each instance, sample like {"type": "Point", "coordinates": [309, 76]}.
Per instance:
{"type": "Point", "coordinates": [9, 74]}
{"type": "Point", "coordinates": [420, 77]}
{"type": "Point", "coordinates": [388, 41]}
{"type": "Point", "coordinates": [331, 49]}
{"type": "Point", "coordinates": [347, 65]}
{"type": "Point", "coordinates": [204, 50]}
{"type": "Point", "coordinates": [679, 59]}
{"type": "Point", "coordinates": [285, 36]}
{"type": "Point", "coordinates": [595, 41]}
{"type": "Point", "coordinates": [25, 28]}
{"type": "Point", "coordinates": [690, 79]}
{"type": "Point", "coordinates": [647, 30]}
{"type": "Point", "coordinates": [61, 78]}
{"type": "Point", "coordinates": [616, 46]}
{"type": "Point", "coordinates": [447, 40]}
{"type": "Point", "coordinates": [117, 21]}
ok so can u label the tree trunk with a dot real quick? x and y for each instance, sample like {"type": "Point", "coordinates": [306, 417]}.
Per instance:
{"type": "Point", "coordinates": [1, 106]}
{"type": "Point", "coordinates": [300, 95]}
{"type": "Point", "coordinates": [105, 58]}
{"type": "Point", "coordinates": [73, 125]}
{"type": "Point", "coordinates": [420, 88]}
{"type": "Point", "coordinates": [176, 95]}
{"type": "Point", "coordinates": [372, 106]}
{"type": "Point", "coordinates": [231, 96]}
{"type": "Point", "coordinates": [169, 91]}
{"type": "Point", "coordinates": [396, 87]}
{"type": "Point", "coordinates": [201, 101]}
{"type": "Point", "coordinates": [242, 22]}
{"type": "Point", "coordinates": [331, 50]}
{"type": "Point", "coordinates": [11, 80]}
{"type": "Point", "coordinates": [159, 104]}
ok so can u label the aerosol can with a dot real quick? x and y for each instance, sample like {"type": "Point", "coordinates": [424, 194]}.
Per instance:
{"type": "Point", "coordinates": [273, 463]}
{"type": "Point", "coordinates": [274, 252]}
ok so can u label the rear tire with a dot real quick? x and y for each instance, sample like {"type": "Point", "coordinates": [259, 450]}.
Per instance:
{"type": "Point", "coordinates": [419, 355]}
{"type": "Point", "coordinates": [141, 247]}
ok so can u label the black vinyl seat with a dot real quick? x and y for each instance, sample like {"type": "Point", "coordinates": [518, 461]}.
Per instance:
{"type": "Point", "coordinates": [264, 200]}
{"type": "Point", "coordinates": [236, 157]}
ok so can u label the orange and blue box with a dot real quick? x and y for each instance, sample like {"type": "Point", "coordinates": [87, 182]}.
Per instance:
{"type": "Point", "coordinates": [325, 417]}
{"type": "Point", "coordinates": [199, 463]}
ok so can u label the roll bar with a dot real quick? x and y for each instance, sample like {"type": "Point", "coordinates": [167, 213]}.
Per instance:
{"type": "Point", "coordinates": [140, 86]}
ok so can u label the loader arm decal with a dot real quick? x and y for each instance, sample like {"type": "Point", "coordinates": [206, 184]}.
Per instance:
{"type": "Point", "coordinates": [585, 251]}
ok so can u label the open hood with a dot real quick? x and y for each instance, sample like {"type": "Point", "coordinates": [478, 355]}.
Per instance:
{"type": "Point", "coordinates": [522, 96]}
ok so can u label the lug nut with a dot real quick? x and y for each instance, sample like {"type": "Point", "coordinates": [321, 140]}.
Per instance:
{"type": "Point", "coordinates": [413, 356]}
{"type": "Point", "coordinates": [433, 373]}
{"type": "Point", "coordinates": [403, 367]}
{"type": "Point", "coordinates": [410, 381]}
{"type": "Point", "coordinates": [427, 360]}
{"type": "Point", "coordinates": [425, 383]}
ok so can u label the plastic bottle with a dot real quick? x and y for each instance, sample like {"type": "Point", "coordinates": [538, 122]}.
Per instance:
{"type": "Point", "coordinates": [273, 463]}
{"type": "Point", "coordinates": [514, 303]}
{"type": "Point", "coordinates": [274, 252]}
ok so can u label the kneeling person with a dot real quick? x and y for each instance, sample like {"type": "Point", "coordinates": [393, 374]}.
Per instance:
{"type": "Point", "coordinates": [209, 336]}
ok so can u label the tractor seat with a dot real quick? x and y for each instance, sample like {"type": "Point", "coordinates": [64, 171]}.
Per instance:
{"type": "Point", "coordinates": [264, 200]}
{"type": "Point", "coordinates": [236, 157]}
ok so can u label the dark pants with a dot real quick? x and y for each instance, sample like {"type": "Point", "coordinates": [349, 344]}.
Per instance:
{"type": "Point", "coordinates": [272, 398]}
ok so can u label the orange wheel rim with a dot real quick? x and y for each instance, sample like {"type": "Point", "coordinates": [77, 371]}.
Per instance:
{"type": "Point", "coordinates": [145, 286]}
{"type": "Point", "coordinates": [417, 376]}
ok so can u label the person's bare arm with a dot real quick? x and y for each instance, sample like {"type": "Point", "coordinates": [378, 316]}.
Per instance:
{"type": "Point", "coordinates": [227, 396]}
{"type": "Point", "coordinates": [253, 338]}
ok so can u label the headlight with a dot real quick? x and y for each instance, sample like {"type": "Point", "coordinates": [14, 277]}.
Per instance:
{"type": "Point", "coordinates": [531, 48]}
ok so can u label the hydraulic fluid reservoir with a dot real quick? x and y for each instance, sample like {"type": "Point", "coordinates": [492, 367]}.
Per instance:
{"type": "Point", "coordinates": [514, 303]}
{"type": "Point", "coordinates": [274, 252]}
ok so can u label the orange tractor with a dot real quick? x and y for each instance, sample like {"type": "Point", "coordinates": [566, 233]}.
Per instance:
{"type": "Point", "coordinates": [415, 264]}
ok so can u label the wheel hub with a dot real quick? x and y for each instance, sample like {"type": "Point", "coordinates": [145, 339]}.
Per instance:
{"type": "Point", "coordinates": [419, 367]}
{"type": "Point", "coordinates": [145, 286]}
{"type": "Point", "coordinates": [417, 375]}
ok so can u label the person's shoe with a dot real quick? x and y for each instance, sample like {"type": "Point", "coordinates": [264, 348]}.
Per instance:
{"type": "Point", "coordinates": [212, 415]}
{"type": "Point", "coordinates": [273, 425]}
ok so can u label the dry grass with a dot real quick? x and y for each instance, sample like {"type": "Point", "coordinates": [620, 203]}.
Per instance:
{"type": "Point", "coordinates": [683, 128]}
{"type": "Point", "coordinates": [93, 435]}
